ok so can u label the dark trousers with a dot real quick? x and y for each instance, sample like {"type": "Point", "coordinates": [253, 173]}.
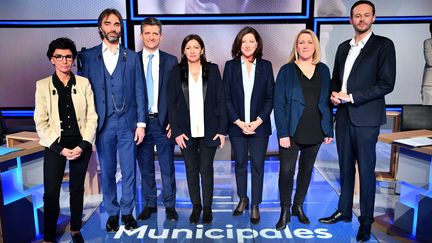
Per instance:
{"type": "Point", "coordinates": [288, 159]}
{"type": "Point", "coordinates": [356, 143]}
{"type": "Point", "coordinates": [256, 147]}
{"type": "Point", "coordinates": [156, 135]}
{"type": "Point", "coordinates": [53, 170]}
{"type": "Point", "coordinates": [199, 161]}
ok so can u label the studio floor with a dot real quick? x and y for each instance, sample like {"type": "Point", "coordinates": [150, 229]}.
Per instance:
{"type": "Point", "coordinates": [321, 201]}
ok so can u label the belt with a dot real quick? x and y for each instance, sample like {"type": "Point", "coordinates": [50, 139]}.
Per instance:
{"type": "Point", "coordinates": [153, 115]}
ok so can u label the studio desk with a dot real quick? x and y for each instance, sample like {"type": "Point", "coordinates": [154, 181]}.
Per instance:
{"type": "Point", "coordinates": [21, 188]}
{"type": "Point", "coordinates": [413, 211]}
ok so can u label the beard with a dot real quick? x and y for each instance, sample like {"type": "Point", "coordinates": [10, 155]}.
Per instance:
{"type": "Point", "coordinates": [111, 39]}
{"type": "Point", "coordinates": [362, 30]}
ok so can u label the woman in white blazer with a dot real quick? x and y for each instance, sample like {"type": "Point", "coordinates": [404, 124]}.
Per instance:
{"type": "Point", "coordinates": [66, 122]}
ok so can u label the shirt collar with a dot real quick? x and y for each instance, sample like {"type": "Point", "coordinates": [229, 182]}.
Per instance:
{"type": "Point", "coordinates": [146, 53]}
{"type": "Point", "coordinates": [362, 42]}
{"type": "Point", "coordinates": [59, 84]}
{"type": "Point", "coordinates": [243, 62]}
{"type": "Point", "coordinates": [105, 48]}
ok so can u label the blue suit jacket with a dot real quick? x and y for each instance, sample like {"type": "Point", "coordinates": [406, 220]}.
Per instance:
{"type": "Point", "coordinates": [289, 101]}
{"type": "Point", "coordinates": [261, 100]}
{"type": "Point", "coordinates": [372, 77]}
{"type": "Point", "coordinates": [133, 83]}
{"type": "Point", "coordinates": [215, 118]}
{"type": "Point", "coordinates": [166, 63]}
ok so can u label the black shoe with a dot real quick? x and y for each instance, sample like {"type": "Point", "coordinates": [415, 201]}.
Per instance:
{"type": "Point", "coordinates": [241, 206]}
{"type": "Point", "coordinates": [284, 219]}
{"type": "Point", "coordinates": [255, 214]}
{"type": "Point", "coordinates": [129, 222]}
{"type": "Point", "coordinates": [147, 212]}
{"type": "Point", "coordinates": [297, 210]}
{"type": "Point", "coordinates": [112, 224]}
{"type": "Point", "coordinates": [77, 238]}
{"type": "Point", "coordinates": [171, 214]}
{"type": "Point", "coordinates": [364, 233]}
{"type": "Point", "coordinates": [195, 215]}
{"type": "Point", "coordinates": [334, 218]}
{"type": "Point", "coordinates": [207, 215]}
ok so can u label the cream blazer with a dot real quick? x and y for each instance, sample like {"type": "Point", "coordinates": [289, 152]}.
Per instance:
{"type": "Point", "coordinates": [46, 114]}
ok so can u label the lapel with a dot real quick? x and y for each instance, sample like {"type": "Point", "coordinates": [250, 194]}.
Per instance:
{"type": "Point", "coordinates": [363, 53]}
{"type": "Point", "coordinates": [238, 81]}
{"type": "Point", "coordinates": [184, 70]}
{"type": "Point", "coordinates": [53, 100]}
{"type": "Point", "coordinates": [205, 75]}
{"type": "Point", "coordinates": [344, 54]}
{"type": "Point", "coordinates": [296, 86]}
{"type": "Point", "coordinates": [258, 77]}
{"type": "Point", "coordinates": [122, 60]}
{"type": "Point", "coordinates": [161, 68]}
{"type": "Point", "coordinates": [100, 65]}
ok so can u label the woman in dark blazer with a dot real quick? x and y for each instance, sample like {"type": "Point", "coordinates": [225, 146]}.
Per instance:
{"type": "Point", "coordinates": [197, 115]}
{"type": "Point", "coordinates": [66, 122]}
{"type": "Point", "coordinates": [303, 121]}
{"type": "Point", "coordinates": [249, 85]}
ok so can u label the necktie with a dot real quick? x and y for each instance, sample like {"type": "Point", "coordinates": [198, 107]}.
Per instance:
{"type": "Point", "coordinates": [149, 82]}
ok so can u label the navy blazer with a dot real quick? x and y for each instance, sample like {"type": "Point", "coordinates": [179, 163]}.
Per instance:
{"type": "Point", "coordinates": [372, 77]}
{"type": "Point", "coordinates": [133, 87]}
{"type": "Point", "coordinates": [215, 118]}
{"type": "Point", "coordinates": [289, 101]}
{"type": "Point", "coordinates": [166, 63]}
{"type": "Point", "coordinates": [261, 100]}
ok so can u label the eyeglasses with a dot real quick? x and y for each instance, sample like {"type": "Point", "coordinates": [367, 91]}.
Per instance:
{"type": "Point", "coordinates": [61, 57]}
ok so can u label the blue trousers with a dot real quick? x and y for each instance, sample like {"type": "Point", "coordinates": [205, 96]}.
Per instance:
{"type": "Point", "coordinates": [116, 136]}
{"type": "Point", "coordinates": [156, 135]}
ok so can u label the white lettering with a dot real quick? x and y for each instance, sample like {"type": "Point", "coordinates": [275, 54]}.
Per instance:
{"type": "Point", "coordinates": [122, 230]}
{"type": "Point", "coordinates": [303, 233]}
{"type": "Point", "coordinates": [164, 234]}
{"type": "Point", "coordinates": [209, 234]}
{"type": "Point", "coordinates": [241, 236]}
{"type": "Point", "coordinates": [199, 232]}
{"type": "Point", "coordinates": [176, 232]}
{"type": "Point", "coordinates": [322, 233]}
{"type": "Point", "coordinates": [275, 234]}
{"type": "Point", "coordinates": [230, 234]}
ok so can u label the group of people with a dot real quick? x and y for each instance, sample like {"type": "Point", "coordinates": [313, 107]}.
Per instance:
{"type": "Point", "coordinates": [127, 103]}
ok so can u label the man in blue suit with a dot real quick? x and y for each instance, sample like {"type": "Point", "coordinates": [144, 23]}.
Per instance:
{"type": "Point", "coordinates": [364, 72]}
{"type": "Point", "coordinates": [116, 77]}
{"type": "Point", "coordinates": [157, 66]}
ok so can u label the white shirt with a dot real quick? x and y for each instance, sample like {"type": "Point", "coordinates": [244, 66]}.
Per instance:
{"type": "Point", "coordinates": [110, 59]}
{"type": "Point", "coordinates": [248, 84]}
{"type": "Point", "coordinates": [155, 75]}
{"type": "Point", "coordinates": [353, 53]}
{"type": "Point", "coordinates": [196, 105]}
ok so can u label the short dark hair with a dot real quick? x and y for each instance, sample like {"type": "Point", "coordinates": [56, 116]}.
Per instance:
{"type": "Point", "coordinates": [62, 43]}
{"type": "Point", "coordinates": [188, 38]}
{"type": "Point", "coordinates": [107, 12]}
{"type": "Point", "coordinates": [151, 21]}
{"type": "Point", "coordinates": [236, 47]}
{"type": "Point", "coordinates": [363, 2]}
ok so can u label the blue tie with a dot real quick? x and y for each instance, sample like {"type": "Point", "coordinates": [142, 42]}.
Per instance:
{"type": "Point", "coordinates": [149, 82]}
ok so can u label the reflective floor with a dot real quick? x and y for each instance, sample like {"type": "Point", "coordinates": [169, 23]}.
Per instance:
{"type": "Point", "coordinates": [321, 201]}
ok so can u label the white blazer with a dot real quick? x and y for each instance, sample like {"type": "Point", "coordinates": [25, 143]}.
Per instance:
{"type": "Point", "coordinates": [46, 114]}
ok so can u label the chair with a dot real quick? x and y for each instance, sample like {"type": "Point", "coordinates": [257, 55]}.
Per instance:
{"type": "Point", "coordinates": [416, 117]}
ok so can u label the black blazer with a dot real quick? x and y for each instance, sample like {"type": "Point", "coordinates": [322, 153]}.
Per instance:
{"type": "Point", "coordinates": [166, 63]}
{"type": "Point", "coordinates": [261, 100]}
{"type": "Point", "coordinates": [372, 77]}
{"type": "Point", "coordinates": [215, 118]}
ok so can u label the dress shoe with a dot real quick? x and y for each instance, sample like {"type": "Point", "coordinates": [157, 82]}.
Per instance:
{"type": "Point", "coordinates": [297, 210]}
{"type": "Point", "coordinates": [207, 215]}
{"type": "Point", "coordinates": [334, 218]}
{"type": "Point", "coordinates": [241, 206]}
{"type": "Point", "coordinates": [147, 212]}
{"type": "Point", "coordinates": [364, 233]}
{"type": "Point", "coordinates": [195, 215]}
{"type": "Point", "coordinates": [129, 222]}
{"type": "Point", "coordinates": [77, 238]}
{"type": "Point", "coordinates": [284, 219]}
{"type": "Point", "coordinates": [255, 214]}
{"type": "Point", "coordinates": [112, 224]}
{"type": "Point", "coordinates": [171, 214]}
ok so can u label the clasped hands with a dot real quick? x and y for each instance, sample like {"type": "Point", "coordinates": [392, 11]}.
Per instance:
{"type": "Point", "coordinates": [72, 154]}
{"type": "Point", "coordinates": [181, 140]}
{"type": "Point", "coordinates": [339, 97]}
{"type": "Point", "coordinates": [248, 128]}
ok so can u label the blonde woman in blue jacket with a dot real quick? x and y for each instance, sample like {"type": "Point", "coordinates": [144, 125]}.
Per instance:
{"type": "Point", "coordinates": [303, 121]}
{"type": "Point", "coordinates": [66, 122]}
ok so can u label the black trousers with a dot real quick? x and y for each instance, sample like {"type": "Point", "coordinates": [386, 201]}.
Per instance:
{"type": "Point", "coordinates": [54, 166]}
{"type": "Point", "coordinates": [199, 161]}
{"type": "Point", "coordinates": [288, 159]}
